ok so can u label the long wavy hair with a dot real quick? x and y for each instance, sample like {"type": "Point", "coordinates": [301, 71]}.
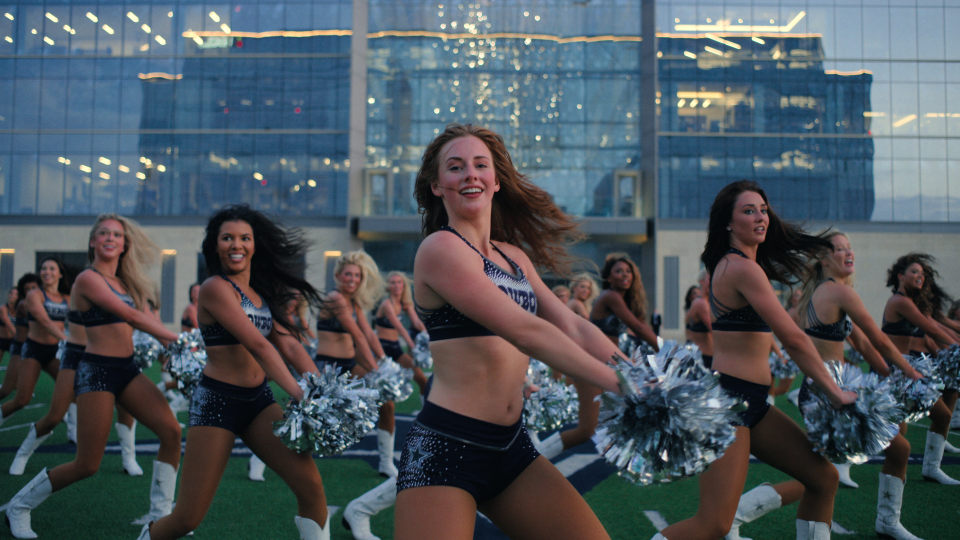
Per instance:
{"type": "Point", "coordinates": [813, 276]}
{"type": "Point", "coordinates": [784, 252]}
{"type": "Point", "coordinates": [594, 288]}
{"type": "Point", "coordinates": [276, 265]}
{"type": "Point", "coordinates": [139, 255]}
{"type": "Point", "coordinates": [523, 214]}
{"type": "Point", "coordinates": [636, 296]}
{"type": "Point", "coordinates": [371, 287]}
{"type": "Point", "coordinates": [406, 297]}
{"type": "Point", "coordinates": [63, 286]}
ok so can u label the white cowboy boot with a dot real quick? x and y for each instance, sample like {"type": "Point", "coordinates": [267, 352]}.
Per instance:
{"type": "Point", "coordinates": [844, 470]}
{"type": "Point", "coordinates": [932, 455]}
{"type": "Point", "coordinates": [162, 486]}
{"type": "Point", "coordinates": [26, 450]}
{"type": "Point", "coordinates": [357, 514]}
{"type": "Point", "coordinates": [889, 501]}
{"type": "Point", "coordinates": [753, 504]}
{"type": "Point", "coordinates": [28, 498]}
{"type": "Point", "coordinates": [256, 468]}
{"type": "Point", "coordinates": [310, 530]}
{"type": "Point", "coordinates": [812, 530]}
{"type": "Point", "coordinates": [128, 448]}
{"type": "Point", "coordinates": [385, 448]}
{"type": "Point", "coordinates": [551, 447]}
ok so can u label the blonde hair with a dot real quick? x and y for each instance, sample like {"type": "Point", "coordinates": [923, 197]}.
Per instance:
{"type": "Point", "coordinates": [139, 255]}
{"type": "Point", "coordinates": [594, 287]}
{"type": "Point", "coordinates": [406, 297]}
{"type": "Point", "coordinates": [812, 278]}
{"type": "Point", "coordinates": [371, 282]}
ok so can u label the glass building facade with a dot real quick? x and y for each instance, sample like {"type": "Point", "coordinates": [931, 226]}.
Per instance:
{"type": "Point", "coordinates": [844, 110]}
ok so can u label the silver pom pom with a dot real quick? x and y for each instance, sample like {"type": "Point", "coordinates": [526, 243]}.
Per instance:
{"type": "Point", "coordinates": [146, 349]}
{"type": "Point", "coordinates": [947, 363]}
{"type": "Point", "coordinates": [392, 380]}
{"type": "Point", "coordinates": [61, 349]}
{"type": "Point", "coordinates": [553, 405]}
{"type": "Point", "coordinates": [916, 398]}
{"type": "Point", "coordinates": [335, 413]}
{"type": "Point", "coordinates": [783, 369]}
{"type": "Point", "coordinates": [627, 345]}
{"type": "Point", "coordinates": [421, 351]}
{"type": "Point", "coordinates": [671, 421]}
{"type": "Point", "coordinates": [311, 347]}
{"type": "Point", "coordinates": [187, 360]}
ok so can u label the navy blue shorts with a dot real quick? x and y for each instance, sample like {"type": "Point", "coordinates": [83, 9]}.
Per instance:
{"type": "Point", "coordinates": [98, 373]}
{"type": "Point", "coordinates": [5, 345]}
{"type": "Point", "coordinates": [39, 352]}
{"type": "Point", "coordinates": [71, 356]}
{"type": "Point", "coordinates": [707, 360]}
{"type": "Point", "coordinates": [222, 405]}
{"type": "Point", "coordinates": [345, 364]}
{"type": "Point", "coordinates": [444, 448]}
{"type": "Point", "coordinates": [391, 348]}
{"type": "Point", "coordinates": [755, 396]}
{"type": "Point", "coordinates": [16, 347]}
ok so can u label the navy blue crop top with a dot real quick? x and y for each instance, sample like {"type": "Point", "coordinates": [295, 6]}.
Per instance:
{"type": "Point", "coordinates": [97, 316]}
{"type": "Point", "coordinates": [837, 331]}
{"type": "Point", "coordinates": [74, 317]}
{"type": "Point", "coordinates": [903, 327]}
{"type": "Point", "coordinates": [215, 334]}
{"type": "Point", "coordinates": [448, 323]}
{"type": "Point", "coordinates": [611, 325]}
{"type": "Point", "coordinates": [333, 324]}
{"type": "Point", "coordinates": [57, 311]}
{"type": "Point", "coordinates": [744, 319]}
{"type": "Point", "coordinates": [698, 327]}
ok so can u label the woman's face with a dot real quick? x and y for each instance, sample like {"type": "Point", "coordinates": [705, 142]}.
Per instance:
{"type": "Point", "coordinates": [50, 274]}
{"type": "Point", "coordinates": [621, 276]}
{"type": "Point", "coordinates": [750, 220]}
{"type": "Point", "coordinates": [349, 278]}
{"type": "Point", "coordinates": [194, 294]}
{"type": "Point", "coordinates": [12, 296]}
{"type": "Point", "coordinates": [467, 179]}
{"type": "Point", "coordinates": [235, 246]}
{"type": "Point", "coordinates": [582, 290]}
{"type": "Point", "coordinates": [841, 259]}
{"type": "Point", "coordinates": [563, 295]}
{"type": "Point", "coordinates": [395, 286]}
{"type": "Point", "coordinates": [30, 287]}
{"type": "Point", "coordinates": [912, 277]}
{"type": "Point", "coordinates": [108, 241]}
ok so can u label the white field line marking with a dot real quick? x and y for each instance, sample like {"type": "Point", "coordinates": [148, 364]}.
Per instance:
{"type": "Point", "coordinates": [576, 462]}
{"type": "Point", "coordinates": [658, 522]}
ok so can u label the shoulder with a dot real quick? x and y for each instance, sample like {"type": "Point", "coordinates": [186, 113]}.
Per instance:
{"type": "Point", "coordinates": [735, 266]}
{"type": "Point", "coordinates": [518, 256]}
{"type": "Point", "coordinates": [34, 295]}
{"type": "Point", "coordinates": [216, 286]}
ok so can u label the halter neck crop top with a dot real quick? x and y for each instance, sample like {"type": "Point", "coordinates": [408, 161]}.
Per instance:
{"type": "Point", "coordinates": [448, 323]}
{"type": "Point", "coordinates": [744, 319]}
{"type": "Point", "coordinates": [57, 311]}
{"type": "Point", "coordinates": [333, 324]}
{"type": "Point", "coordinates": [903, 327]}
{"type": "Point", "coordinates": [97, 316]}
{"type": "Point", "coordinates": [611, 325]}
{"type": "Point", "coordinates": [837, 331]}
{"type": "Point", "coordinates": [215, 334]}
{"type": "Point", "coordinates": [699, 327]}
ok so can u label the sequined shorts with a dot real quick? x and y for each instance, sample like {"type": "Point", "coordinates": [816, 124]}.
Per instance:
{"type": "Point", "coordinates": [39, 352]}
{"type": "Point", "coordinates": [222, 405]}
{"type": "Point", "coordinates": [345, 364]}
{"type": "Point", "coordinates": [755, 396]}
{"type": "Point", "coordinates": [391, 348]}
{"type": "Point", "coordinates": [444, 448]}
{"type": "Point", "coordinates": [71, 356]}
{"type": "Point", "coordinates": [98, 373]}
{"type": "Point", "coordinates": [16, 347]}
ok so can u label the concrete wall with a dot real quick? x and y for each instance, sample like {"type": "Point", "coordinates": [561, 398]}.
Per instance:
{"type": "Point", "coordinates": [28, 239]}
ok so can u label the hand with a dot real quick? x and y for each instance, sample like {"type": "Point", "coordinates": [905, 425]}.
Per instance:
{"type": "Point", "coordinates": [914, 375]}
{"type": "Point", "coordinates": [529, 389]}
{"type": "Point", "coordinates": [845, 398]}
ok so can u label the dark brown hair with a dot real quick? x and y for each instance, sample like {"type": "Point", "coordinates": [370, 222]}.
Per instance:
{"type": "Point", "coordinates": [523, 214]}
{"type": "Point", "coordinates": [636, 296]}
{"type": "Point", "coordinates": [930, 297]}
{"type": "Point", "coordinates": [784, 252]}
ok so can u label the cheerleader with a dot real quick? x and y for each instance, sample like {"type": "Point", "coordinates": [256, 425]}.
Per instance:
{"type": "Point", "coordinates": [620, 307]}
{"type": "Point", "coordinates": [562, 292]}
{"type": "Point", "coordinates": [584, 292]}
{"type": "Point", "coordinates": [488, 312]}
{"type": "Point", "coordinates": [108, 295]}
{"type": "Point", "coordinates": [248, 337]}
{"type": "Point", "coordinates": [747, 246]}
{"type": "Point", "coordinates": [828, 295]}
{"type": "Point", "coordinates": [46, 311]}
{"type": "Point", "coordinates": [8, 331]}
{"type": "Point", "coordinates": [188, 321]}
{"type": "Point", "coordinates": [697, 320]}
{"type": "Point", "coordinates": [908, 321]}
{"type": "Point", "coordinates": [26, 284]}
{"type": "Point", "coordinates": [62, 401]}
{"type": "Point", "coordinates": [389, 328]}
